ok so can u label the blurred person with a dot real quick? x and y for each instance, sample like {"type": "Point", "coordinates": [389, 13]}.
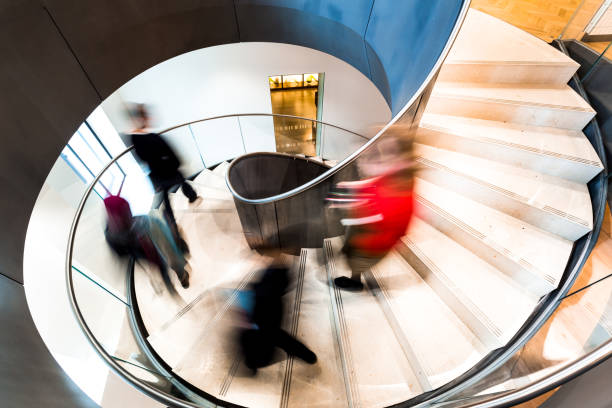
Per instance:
{"type": "Point", "coordinates": [163, 164]}
{"type": "Point", "coordinates": [378, 210]}
{"type": "Point", "coordinates": [144, 237]}
{"type": "Point", "coordinates": [264, 310]}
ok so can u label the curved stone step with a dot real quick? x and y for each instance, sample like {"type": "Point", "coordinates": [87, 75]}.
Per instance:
{"type": "Point", "coordinates": [210, 179]}
{"type": "Point", "coordinates": [533, 258]}
{"type": "Point", "coordinates": [504, 54]}
{"type": "Point", "coordinates": [221, 169]}
{"type": "Point", "coordinates": [427, 323]}
{"type": "Point", "coordinates": [559, 107]}
{"type": "Point", "coordinates": [555, 205]}
{"type": "Point", "coordinates": [557, 152]}
{"type": "Point", "coordinates": [485, 299]}
{"type": "Point", "coordinates": [380, 378]}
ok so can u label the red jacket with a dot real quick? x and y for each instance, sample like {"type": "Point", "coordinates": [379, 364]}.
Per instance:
{"type": "Point", "coordinates": [383, 215]}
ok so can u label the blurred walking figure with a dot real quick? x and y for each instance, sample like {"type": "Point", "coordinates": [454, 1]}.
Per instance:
{"type": "Point", "coordinates": [163, 164]}
{"type": "Point", "coordinates": [378, 212]}
{"type": "Point", "coordinates": [265, 315]}
{"type": "Point", "coordinates": [144, 237]}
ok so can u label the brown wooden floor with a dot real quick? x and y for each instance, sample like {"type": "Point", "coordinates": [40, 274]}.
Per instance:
{"type": "Point", "coordinates": [294, 135]}
{"type": "Point", "coordinates": [546, 19]}
{"type": "Point", "coordinates": [542, 18]}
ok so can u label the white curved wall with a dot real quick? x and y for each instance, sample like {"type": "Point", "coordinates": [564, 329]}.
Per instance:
{"type": "Point", "coordinates": [213, 81]}
{"type": "Point", "coordinates": [233, 78]}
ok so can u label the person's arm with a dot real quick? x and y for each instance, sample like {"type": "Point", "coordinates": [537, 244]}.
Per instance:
{"type": "Point", "coordinates": [362, 221]}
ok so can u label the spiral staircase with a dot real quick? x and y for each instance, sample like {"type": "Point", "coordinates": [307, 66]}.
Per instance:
{"type": "Point", "coordinates": [501, 198]}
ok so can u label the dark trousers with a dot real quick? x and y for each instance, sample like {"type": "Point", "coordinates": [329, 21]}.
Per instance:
{"type": "Point", "coordinates": [166, 183]}
{"type": "Point", "coordinates": [189, 193]}
{"type": "Point", "coordinates": [258, 346]}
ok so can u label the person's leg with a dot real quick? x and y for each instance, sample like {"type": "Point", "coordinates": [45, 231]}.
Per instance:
{"type": "Point", "coordinates": [165, 242]}
{"type": "Point", "coordinates": [169, 216]}
{"type": "Point", "coordinates": [359, 264]}
{"type": "Point", "coordinates": [257, 348]}
{"type": "Point", "coordinates": [189, 192]}
{"type": "Point", "coordinates": [294, 347]}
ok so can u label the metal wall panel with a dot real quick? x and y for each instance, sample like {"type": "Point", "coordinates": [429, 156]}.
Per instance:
{"type": "Point", "coordinates": [116, 40]}
{"type": "Point", "coordinates": [29, 377]}
{"type": "Point", "coordinates": [44, 97]}
{"type": "Point", "coordinates": [408, 40]}
{"type": "Point", "coordinates": [292, 26]}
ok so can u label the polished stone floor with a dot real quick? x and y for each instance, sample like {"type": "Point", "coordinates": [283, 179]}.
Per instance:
{"type": "Point", "coordinates": [294, 135]}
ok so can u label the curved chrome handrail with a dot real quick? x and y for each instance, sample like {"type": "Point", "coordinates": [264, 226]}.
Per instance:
{"type": "Point", "coordinates": [552, 380]}
{"type": "Point", "coordinates": [280, 115]}
{"type": "Point", "coordinates": [136, 382]}
{"type": "Point", "coordinates": [547, 383]}
{"type": "Point", "coordinates": [330, 173]}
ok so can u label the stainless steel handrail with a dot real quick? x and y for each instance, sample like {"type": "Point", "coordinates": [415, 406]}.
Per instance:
{"type": "Point", "coordinates": [280, 115]}
{"type": "Point", "coordinates": [552, 380]}
{"type": "Point", "coordinates": [428, 80]}
{"type": "Point", "coordinates": [547, 383]}
{"type": "Point", "coordinates": [134, 381]}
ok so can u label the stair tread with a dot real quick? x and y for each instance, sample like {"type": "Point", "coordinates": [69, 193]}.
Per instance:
{"type": "Point", "coordinates": [561, 97]}
{"type": "Point", "coordinates": [208, 194]}
{"type": "Point", "coordinates": [210, 179]}
{"type": "Point", "coordinates": [444, 345]}
{"type": "Point", "coordinates": [562, 143]}
{"type": "Point", "coordinates": [567, 199]}
{"type": "Point", "coordinates": [221, 169]}
{"type": "Point", "coordinates": [383, 377]}
{"type": "Point", "coordinates": [541, 252]}
{"type": "Point", "coordinates": [501, 42]}
{"type": "Point", "coordinates": [191, 321]}
{"type": "Point", "coordinates": [320, 384]}
{"type": "Point", "coordinates": [500, 302]}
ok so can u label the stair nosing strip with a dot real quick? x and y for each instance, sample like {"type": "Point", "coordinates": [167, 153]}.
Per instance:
{"type": "Point", "coordinates": [517, 146]}
{"type": "Point", "coordinates": [568, 64]}
{"type": "Point", "coordinates": [441, 94]}
{"type": "Point", "coordinates": [492, 327]}
{"type": "Point", "coordinates": [518, 197]}
{"type": "Point", "coordinates": [482, 237]}
{"type": "Point", "coordinates": [340, 330]}
{"type": "Point", "coordinates": [422, 371]}
{"type": "Point", "coordinates": [286, 388]}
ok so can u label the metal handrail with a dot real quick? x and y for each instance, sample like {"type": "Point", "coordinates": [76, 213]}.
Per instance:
{"type": "Point", "coordinates": [549, 382]}
{"type": "Point", "coordinates": [348, 160]}
{"type": "Point", "coordinates": [280, 115]}
{"type": "Point", "coordinates": [120, 371]}
{"type": "Point", "coordinates": [587, 362]}
{"type": "Point", "coordinates": [552, 380]}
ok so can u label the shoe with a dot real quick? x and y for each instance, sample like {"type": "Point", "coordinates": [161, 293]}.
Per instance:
{"type": "Point", "coordinates": [185, 280]}
{"type": "Point", "coordinates": [183, 246]}
{"type": "Point", "coordinates": [310, 357]}
{"type": "Point", "coordinates": [349, 284]}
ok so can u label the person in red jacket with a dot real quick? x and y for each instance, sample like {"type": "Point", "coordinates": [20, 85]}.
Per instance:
{"type": "Point", "coordinates": [379, 209]}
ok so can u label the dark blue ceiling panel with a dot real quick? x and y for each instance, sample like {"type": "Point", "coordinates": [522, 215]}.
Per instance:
{"type": "Point", "coordinates": [293, 26]}
{"type": "Point", "coordinates": [408, 36]}
{"type": "Point", "coordinates": [353, 14]}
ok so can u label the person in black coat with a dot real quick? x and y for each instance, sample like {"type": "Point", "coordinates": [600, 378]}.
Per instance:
{"type": "Point", "coordinates": [163, 164]}
{"type": "Point", "coordinates": [259, 342]}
